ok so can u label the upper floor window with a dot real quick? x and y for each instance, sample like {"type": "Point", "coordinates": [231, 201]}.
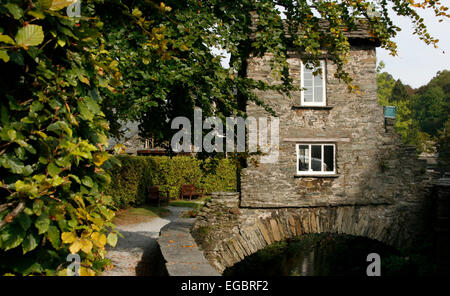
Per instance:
{"type": "Point", "coordinates": [314, 93]}
{"type": "Point", "coordinates": [316, 159]}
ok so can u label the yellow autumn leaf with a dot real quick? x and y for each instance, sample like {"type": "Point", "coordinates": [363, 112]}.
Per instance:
{"type": "Point", "coordinates": [86, 271]}
{"type": "Point", "coordinates": [83, 79]}
{"type": "Point", "coordinates": [75, 247]}
{"type": "Point", "coordinates": [99, 239]}
{"type": "Point", "coordinates": [60, 4]}
{"type": "Point", "coordinates": [86, 246]}
{"type": "Point", "coordinates": [68, 237]}
{"type": "Point", "coordinates": [100, 158]}
{"type": "Point", "coordinates": [86, 233]}
{"type": "Point", "coordinates": [43, 135]}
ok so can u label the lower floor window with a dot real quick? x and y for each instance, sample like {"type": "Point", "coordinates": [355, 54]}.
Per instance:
{"type": "Point", "coordinates": [316, 159]}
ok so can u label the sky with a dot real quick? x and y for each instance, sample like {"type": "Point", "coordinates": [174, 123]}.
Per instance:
{"type": "Point", "coordinates": [417, 63]}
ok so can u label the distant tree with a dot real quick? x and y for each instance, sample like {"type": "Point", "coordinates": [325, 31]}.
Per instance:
{"type": "Point", "coordinates": [385, 84]}
{"type": "Point", "coordinates": [430, 110]}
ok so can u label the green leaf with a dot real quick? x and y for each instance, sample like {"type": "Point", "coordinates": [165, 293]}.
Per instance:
{"type": "Point", "coordinates": [15, 10]}
{"type": "Point", "coordinates": [24, 221]}
{"type": "Point", "coordinates": [87, 181]}
{"type": "Point", "coordinates": [137, 12]}
{"type": "Point", "coordinates": [37, 14]}
{"type": "Point", "coordinates": [30, 242]}
{"type": "Point", "coordinates": [88, 108]}
{"type": "Point", "coordinates": [112, 239]}
{"type": "Point", "coordinates": [17, 58]}
{"type": "Point", "coordinates": [4, 55]}
{"type": "Point", "coordinates": [54, 236]}
{"type": "Point", "coordinates": [27, 188]}
{"type": "Point", "coordinates": [12, 236]}
{"type": "Point", "coordinates": [42, 223]}
{"type": "Point", "coordinates": [60, 4]}
{"type": "Point", "coordinates": [53, 169]}
{"type": "Point", "coordinates": [45, 4]}
{"type": "Point", "coordinates": [60, 126]}
{"type": "Point", "coordinates": [30, 35]}
{"type": "Point", "coordinates": [6, 39]}
{"type": "Point", "coordinates": [37, 207]}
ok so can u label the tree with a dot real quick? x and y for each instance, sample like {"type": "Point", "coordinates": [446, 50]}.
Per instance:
{"type": "Point", "coordinates": [430, 110]}
{"type": "Point", "coordinates": [385, 84]}
{"type": "Point", "coordinates": [399, 92]}
{"type": "Point", "coordinates": [191, 75]}
{"type": "Point", "coordinates": [63, 78]}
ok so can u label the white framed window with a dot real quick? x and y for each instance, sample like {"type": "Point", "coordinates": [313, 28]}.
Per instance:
{"type": "Point", "coordinates": [316, 158]}
{"type": "Point", "coordinates": [314, 93]}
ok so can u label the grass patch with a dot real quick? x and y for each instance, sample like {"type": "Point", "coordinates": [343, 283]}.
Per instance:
{"type": "Point", "coordinates": [184, 203]}
{"type": "Point", "coordinates": [149, 211]}
{"type": "Point", "coordinates": [139, 215]}
{"type": "Point", "coordinates": [189, 203]}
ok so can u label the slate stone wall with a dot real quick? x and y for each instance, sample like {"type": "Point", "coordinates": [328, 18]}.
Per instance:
{"type": "Point", "coordinates": [381, 189]}
{"type": "Point", "coordinates": [372, 165]}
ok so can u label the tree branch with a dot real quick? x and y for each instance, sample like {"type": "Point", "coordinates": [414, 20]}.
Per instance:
{"type": "Point", "coordinates": [10, 217]}
{"type": "Point", "coordinates": [3, 207]}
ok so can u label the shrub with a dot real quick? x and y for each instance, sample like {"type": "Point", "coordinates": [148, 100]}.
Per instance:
{"type": "Point", "coordinates": [136, 173]}
{"type": "Point", "coordinates": [52, 139]}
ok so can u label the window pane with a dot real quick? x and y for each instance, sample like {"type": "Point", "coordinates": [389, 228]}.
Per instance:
{"type": "Point", "coordinates": [318, 79]}
{"type": "Point", "coordinates": [318, 93]}
{"type": "Point", "coordinates": [318, 87]}
{"type": "Point", "coordinates": [316, 158]}
{"type": "Point", "coordinates": [308, 94]}
{"type": "Point", "coordinates": [307, 75]}
{"type": "Point", "coordinates": [328, 155]}
{"type": "Point", "coordinates": [308, 85]}
{"type": "Point", "coordinates": [303, 155]}
{"type": "Point", "coordinates": [306, 70]}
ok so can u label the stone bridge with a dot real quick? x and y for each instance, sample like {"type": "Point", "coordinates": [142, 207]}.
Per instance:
{"type": "Point", "coordinates": [372, 185]}
{"type": "Point", "coordinates": [228, 233]}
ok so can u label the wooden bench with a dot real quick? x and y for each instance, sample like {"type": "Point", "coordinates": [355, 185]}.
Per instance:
{"type": "Point", "coordinates": [191, 190]}
{"type": "Point", "coordinates": [154, 194]}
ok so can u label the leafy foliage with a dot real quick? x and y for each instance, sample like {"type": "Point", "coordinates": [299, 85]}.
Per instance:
{"type": "Point", "coordinates": [53, 136]}
{"type": "Point", "coordinates": [136, 173]}
{"type": "Point", "coordinates": [422, 114]}
{"type": "Point", "coordinates": [167, 65]}
{"type": "Point", "coordinates": [150, 61]}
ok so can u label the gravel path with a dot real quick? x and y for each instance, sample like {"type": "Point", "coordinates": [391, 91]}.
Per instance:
{"type": "Point", "coordinates": [137, 253]}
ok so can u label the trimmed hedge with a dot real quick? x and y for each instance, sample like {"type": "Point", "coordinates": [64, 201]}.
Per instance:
{"type": "Point", "coordinates": [130, 180]}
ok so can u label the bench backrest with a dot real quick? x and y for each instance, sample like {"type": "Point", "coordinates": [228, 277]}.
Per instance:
{"type": "Point", "coordinates": [188, 188]}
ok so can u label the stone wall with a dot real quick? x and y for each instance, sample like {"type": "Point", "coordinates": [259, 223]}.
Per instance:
{"type": "Point", "coordinates": [372, 165]}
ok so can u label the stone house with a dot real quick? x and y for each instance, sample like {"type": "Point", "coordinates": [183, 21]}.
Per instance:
{"type": "Point", "coordinates": [335, 147]}
{"type": "Point", "coordinates": [341, 167]}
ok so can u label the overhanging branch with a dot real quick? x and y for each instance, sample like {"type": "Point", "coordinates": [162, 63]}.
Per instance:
{"type": "Point", "coordinates": [13, 214]}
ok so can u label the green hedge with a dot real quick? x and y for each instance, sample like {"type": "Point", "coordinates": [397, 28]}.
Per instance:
{"type": "Point", "coordinates": [136, 173]}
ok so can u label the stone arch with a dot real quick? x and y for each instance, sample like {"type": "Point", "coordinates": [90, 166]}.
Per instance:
{"type": "Point", "coordinates": [254, 229]}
